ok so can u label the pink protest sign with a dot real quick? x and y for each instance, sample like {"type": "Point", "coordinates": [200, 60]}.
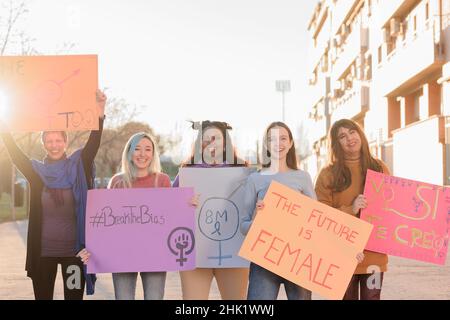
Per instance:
{"type": "Point", "coordinates": [134, 230]}
{"type": "Point", "coordinates": [411, 219]}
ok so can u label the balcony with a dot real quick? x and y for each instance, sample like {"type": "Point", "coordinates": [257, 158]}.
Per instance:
{"type": "Point", "coordinates": [412, 59]}
{"type": "Point", "coordinates": [352, 103]}
{"type": "Point", "coordinates": [318, 91]}
{"type": "Point", "coordinates": [393, 8]}
{"type": "Point", "coordinates": [319, 129]}
{"type": "Point", "coordinates": [341, 11]}
{"type": "Point", "coordinates": [319, 31]}
{"type": "Point", "coordinates": [420, 145]}
{"type": "Point", "coordinates": [355, 44]}
{"type": "Point", "coordinates": [315, 20]}
{"type": "Point", "coordinates": [315, 54]}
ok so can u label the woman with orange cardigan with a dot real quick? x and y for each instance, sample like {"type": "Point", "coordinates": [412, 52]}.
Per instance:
{"type": "Point", "coordinates": [340, 185]}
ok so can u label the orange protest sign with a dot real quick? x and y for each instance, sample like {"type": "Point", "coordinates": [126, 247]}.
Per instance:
{"type": "Point", "coordinates": [305, 241]}
{"type": "Point", "coordinates": [49, 92]}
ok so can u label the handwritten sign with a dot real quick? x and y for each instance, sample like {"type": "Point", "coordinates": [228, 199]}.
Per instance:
{"type": "Point", "coordinates": [411, 218]}
{"type": "Point", "coordinates": [134, 230]}
{"type": "Point", "coordinates": [49, 92]}
{"type": "Point", "coordinates": [218, 216]}
{"type": "Point", "coordinates": [305, 241]}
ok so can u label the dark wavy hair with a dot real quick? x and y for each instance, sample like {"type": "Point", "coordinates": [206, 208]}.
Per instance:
{"type": "Point", "coordinates": [229, 151]}
{"type": "Point", "coordinates": [291, 157]}
{"type": "Point", "coordinates": [342, 177]}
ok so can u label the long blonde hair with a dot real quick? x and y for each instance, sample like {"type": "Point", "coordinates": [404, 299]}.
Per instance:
{"type": "Point", "coordinates": [128, 171]}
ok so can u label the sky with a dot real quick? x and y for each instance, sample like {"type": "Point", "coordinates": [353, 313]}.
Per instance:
{"type": "Point", "coordinates": [199, 59]}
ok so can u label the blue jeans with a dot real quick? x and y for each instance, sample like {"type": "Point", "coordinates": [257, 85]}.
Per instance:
{"type": "Point", "coordinates": [265, 285]}
{"type": "Point", "coordinates": [152, 282]}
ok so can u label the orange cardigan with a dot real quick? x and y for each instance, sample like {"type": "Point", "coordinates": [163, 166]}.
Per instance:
{"type": "Point", "coordinates": [343, 201]}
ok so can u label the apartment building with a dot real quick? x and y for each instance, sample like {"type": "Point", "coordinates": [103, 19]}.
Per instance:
{"type": "Point", "coordinates": [384, 64]}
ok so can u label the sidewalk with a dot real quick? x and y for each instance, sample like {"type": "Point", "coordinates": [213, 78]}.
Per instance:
{"type": "Point", "coordinates": [406, 279]}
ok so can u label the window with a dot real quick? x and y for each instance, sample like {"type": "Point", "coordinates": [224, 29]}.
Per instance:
{"type": "Point", "coordinates": [427, 11]}
{"type": "Point", "coordinates": [391, 46]}
{"type": "Point", "coordinates": [416, 114]}
{"type": "Point", "coordinates": [415, 23]}
{"type": "Point", "coordinates": [380, 53]}
{"type": "Point", "coordinates": [313, 77]}
{"type": "Point", "coordinates": [368, 68]}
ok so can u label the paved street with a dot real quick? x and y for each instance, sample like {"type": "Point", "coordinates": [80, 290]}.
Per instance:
{"type": "Point", "coordinates": [406, 279]}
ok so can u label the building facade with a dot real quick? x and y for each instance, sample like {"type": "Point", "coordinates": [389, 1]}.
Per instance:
{"type": "Point", "coordinates": [384, 64]}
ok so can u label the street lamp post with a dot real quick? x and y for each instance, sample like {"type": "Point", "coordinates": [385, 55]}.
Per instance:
{"type": "Point", "coordinates": [283, 86]}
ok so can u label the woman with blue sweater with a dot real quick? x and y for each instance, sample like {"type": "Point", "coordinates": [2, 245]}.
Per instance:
{"type": "Point", "coordinates": [279, 164]}
{"type": "Point", "coordinates": [58, 195]}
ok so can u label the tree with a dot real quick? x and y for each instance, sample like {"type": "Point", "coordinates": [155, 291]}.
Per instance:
{"type": "Point", "coordinates": [119, 125]}
{"type": "Point", "coordinates": [13, 40]}
{"type": "Point", "coordinates": [10, 34]}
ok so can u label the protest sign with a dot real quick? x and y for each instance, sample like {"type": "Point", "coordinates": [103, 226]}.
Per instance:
{"type": "Point", "coordinates": [45, 93]}
{"type": "Point", "coordinates": [410, 218]}
{"type": "Point", "coordinates": [134, 230]}
{"type": "Point", "coordinates": [305, 241]}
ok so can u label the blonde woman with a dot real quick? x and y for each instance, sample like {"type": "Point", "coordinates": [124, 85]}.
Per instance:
{"type": "Point", "coordinates": [141, 168]}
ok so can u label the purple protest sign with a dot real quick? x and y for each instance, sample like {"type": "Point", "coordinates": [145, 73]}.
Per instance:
{"type": "Point", "coordinates": [139, 230]}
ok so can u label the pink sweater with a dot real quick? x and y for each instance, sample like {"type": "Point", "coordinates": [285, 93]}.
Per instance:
{"type": "Point", "coordinates": [155, 180]}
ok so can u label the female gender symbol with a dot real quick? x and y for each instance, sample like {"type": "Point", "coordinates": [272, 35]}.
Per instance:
{"type": "Point", "coordinates": [218, 221]}
{"type": "Point", "coordinates": [184, 241]}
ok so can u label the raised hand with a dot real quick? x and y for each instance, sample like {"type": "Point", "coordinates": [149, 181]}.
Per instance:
{"type": "Point", "coordinates": [101, 102]}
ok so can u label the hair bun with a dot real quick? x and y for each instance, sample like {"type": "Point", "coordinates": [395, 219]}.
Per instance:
{"type": "Point", "coordinates": [227, 126]}
{"type": "Point", "coordinates": [196, 125]}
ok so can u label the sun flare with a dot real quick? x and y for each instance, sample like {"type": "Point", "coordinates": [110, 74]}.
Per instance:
{"type": "Point", "coordinates": [3, 105]}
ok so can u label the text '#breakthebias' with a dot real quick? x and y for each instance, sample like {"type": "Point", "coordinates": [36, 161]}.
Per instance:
{"type": "Point", "coordinates": [106, 217]}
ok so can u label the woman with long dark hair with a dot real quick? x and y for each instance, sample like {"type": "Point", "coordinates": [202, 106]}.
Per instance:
{"type": "Point", "coordinates": [213, 148]}
{"type": "Point", "coordinates": [340, 185]}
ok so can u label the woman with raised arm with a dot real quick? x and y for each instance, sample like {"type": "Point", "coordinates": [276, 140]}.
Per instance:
{"type": "Point", "coordinates": [58, 194]}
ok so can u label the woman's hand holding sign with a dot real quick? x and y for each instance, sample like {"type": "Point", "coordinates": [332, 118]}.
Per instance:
{"type": "Point", "coordinates": [101, 102]}
{"type": "Point", "coordinates": [84, 255]}
{"type": "Point", "coordinates": [259, 205]}
{"type": "Point", "coordinates": [195, 201]}
{"type": "Point", "coordinates": [359, 203]}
